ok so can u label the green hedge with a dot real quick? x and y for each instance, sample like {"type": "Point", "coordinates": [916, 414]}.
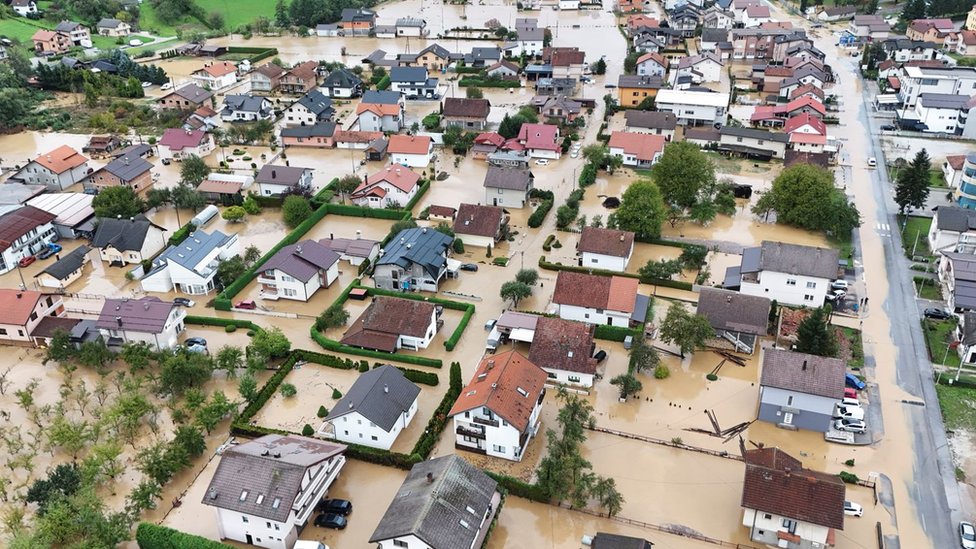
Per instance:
{"type": "Point", "coordinates": [242, 422]}
{"type": "Point", "coordinates": [333, 345]}
{"type": "Point", "coordinates": [662, 242]}
{"type": "Point", "coordinates": [468, 309]}
{"type": "Point", "coordinates": [614, 333]}
{"type": "Point", "coordinates": [332, 361]}
{"type": "Point", "coordinates": [214, 321]}
{"type": "Point", "coordinates": [260, 53]}
{"type": "Point", "coordinates": [539, 215]}
{"type": "Point", "coordinates": [416, 376]}
{"type": "Point", "coordinates": [439, 419]}
{"type": "Point", "coordinates": [424, 187]}
{"type": "Point", "coordinates": [268, 201]}
{"type": "Point", "coordinates": [181, 234]}
{"type": "Point", "coordinates": [677, 284]}
{"type": "Point", "coordinates": [520, 488]}
{"type": "Point", "coordinates": [456, 336]}
{"type": "Point", "coordinates": [351, 210]}
{"type": "Point", "coordinates": [153, 536]}
{"type": "Point", "coordinates": [479, 83]}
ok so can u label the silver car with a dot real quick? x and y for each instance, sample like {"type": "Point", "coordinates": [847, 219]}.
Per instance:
{"type": "Point", "coordinates": [850, 425]}
{"type": "Point", "coordinates": [967, 535]}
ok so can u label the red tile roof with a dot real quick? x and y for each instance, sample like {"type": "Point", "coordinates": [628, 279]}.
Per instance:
{"type": "Point", "coordinates": [396, 175]}
{"type": "Point", "coordinates": [508, 384]}
{"type": "Point", "coordinates": [956, 161]}
{"type": "Point", "coordinates": [806, 89]}
{"type": "Point", "coordinates": [476, 220]}
{"type": "Point", "coordinates": [606, 242]}
{"type": "Point", "coordinates": [409, 144]}
{"type": "Point", "coordinates": [19, 222]}
{"type": "Point", "coordinates": [539, 136]}
{"type": "Point", "coordinates": [219, 68]}
{"type": "Point", "coordinates": [386, 319]}
{"type": "Point", "coordinates": [616, 293]}
{"type": "Point", "coordinates": [805, 101]}
{"type": "Point", "coordinates": [17, 305]}
{"type": "Point", "coordinates": [645, 146]}
{"type": "Point", "coordinates": [653, 56]}
{"type": "Point", "coordinates": [563, 345]}
{"type": "Point", "coordinates": [489, 138]}
{"type": "Point", "coordinates": [804, 119]}
{"type": "Point", "coordinates": [177, 139]}
{"type": "Point", "coordinates": [563, 58]}
{"type": "Point", "coordinates": [775, 482]}
{"type": "Point", "coordinates": [61, 159]}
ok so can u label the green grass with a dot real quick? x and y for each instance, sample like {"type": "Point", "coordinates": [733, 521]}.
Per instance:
{"type": "Point", "coordinates": [936, 179]}
{"type": "Point", "coordinates": [238, 12]}
{"type": "Point", "coordinates": [957, 405]}
{"type": "Point", "coordinates": [150, 23]}
{"type": "Point", "coordinates": [928, 288]}
{"type": "Point", "coordinates": [19, 30]}
{"type": "Point", "coordinates": [938, 335]}
{"type": "Point", "coordinates": [856, 360]}
{"type": "Point", "coordinates": [916, 228]}
{"type": "Point", "coordinates": [843, 245]}
{"type": "Point", "coordinates": [169, 44]}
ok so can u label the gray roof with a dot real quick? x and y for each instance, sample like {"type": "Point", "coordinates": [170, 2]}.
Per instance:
{"type": "Point", "coordinates": [436, 511]}
{"type": "Point", "coordinates": [954, 218]}
{"type": "Point", "coordinates": [530, 34]}
{"type": "Point", "coordinates": [67, 26]}
{"type": "Point", "coordinates": [734, 312]}
{"type": "Point", "coordinates": [408, 74]}
{"type": "Point", "coordinates": [964, 276]}
{"type": "Point", "coordinates": [302, 260]}
{"type": "Point", "coordinates": [803, 373]}
{"type": "Point", "coordinates": [380, 395]}
{"type": "Point", "coordinates": [280, 175]}
{"type": "Point", "coordinates": [604, 540]}
{"type": "Point", "coordinates": [316, 102]}
{"type": "Point", "coordinates": [68, 264]}
{"type": "Point", "coordinates": [640, 82]}
{"type": "Point", "coordinates": [192, 92]}
{"type": "Point", "coordinates": [319, 129]}
{"type": "Point", "coordinates": [109, 23]}
{"type": "Point", "coordinates": [650, 119]}
{"type": "Point", "coordinates": [128, 168]}
{"type": "Point", "coordinates": [515, 179]}
{"type": "Point", "coordinates": [381, 97]}
{"type": "Point", "coordinates": [943, 100]}
{"type": "Point", "coordinates": [419, 245]}
{"type": "Point", "coordinates": [357, 14]}
{"type": "Point", "coordinates": [122, 234]}
{"type": "Point", "coordinates": [146, 315]}
{"type": "Point", "coordinates": [797, 260]}
{"type": "Point", "coordinates": [353, 247]}
{"type": "Point", "coordinates": [197, 246]}
{"type": "Point", "coordinates": [969, 328]}
{"type": "Point", "coordinates": [342, 78]}
{"type": "Point", "coordinates": [272, 466]}
{"type": "Point", "coordinates": [753, 133]}
{"type": "Point", "coordinates": [244, 103]}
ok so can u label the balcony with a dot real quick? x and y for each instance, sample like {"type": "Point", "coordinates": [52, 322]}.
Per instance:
{"type": "Point", "coordinates": [470, 432]}
{"type": "Point", "coordinates": [485, 421]}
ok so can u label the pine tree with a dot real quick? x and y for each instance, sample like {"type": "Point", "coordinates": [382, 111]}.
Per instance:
{"type": "Point", "coordinates": [815, 335]}
{"type": "Point", "coordinates": [912, 187]}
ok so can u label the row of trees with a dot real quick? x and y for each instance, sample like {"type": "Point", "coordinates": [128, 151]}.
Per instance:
{"type": "Point", "coordinates": [308, 13]}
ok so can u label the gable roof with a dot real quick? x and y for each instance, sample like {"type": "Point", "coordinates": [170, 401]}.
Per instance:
{"type": "Point", "coordinates": [17, 305]}
{"type": "Point", "coordinates": [478, 220]}
{"type": "Point", "coordinates": [644, 146]}
{"type": "Point", "coordinates": [408, 74]}
{"type": "Point", "coordinates": [20, 221]}
{"type": "Point", "coordinates": [606, 242]}
{"type": "Point", "coordinates": [734, 312]}
{"type": "Point", "coordinates": [146, 315]}
{"type": "Point", "coordinates": [807, 89]}
{"type": "Point", "coordinates": [663, 120]}
{"type": "Point", "coordinates": [244, 103]}
{"type": "Point", "coordinates": [127, 167]}
{"type": "Point", "coordinates": [319, 129]}
{"type": "Point", "coordinates": [178, 139]}
{"type": "Point", "coordinates": [381, 97]}
{"type": "Point", "coordinates": [755, 133]}
{"type": "Point", "coordinates": [274, 174]}
{"type": "Point", "coordinates": [563, 345]}
{"type": "Point", "coordinates": [803, 373]}
{"type": "Point", "coordinates": [798, 260]}
{"type": "Point", "coordinates": [386, 319]}
{"type": "Point", "coordinates": [342, 78]}
{"type": "Point", "coordinates": [566, 58]}
{"type": "Point", "coordinates": [954, 218]}
{"type": "Point", "coordinates": [271, 70]}
{"type": "Point", "coordinates": [775, 482]}
{"type": "Point", "coordinates": [417, 245]}
{"type": "Point", "coordinates": [197, 246]}
{"type": "Point", "coordinates": [302, 260]}
{"type": "Point", "coordinates": [380, 395]}
{"type": "Point", "coordinates": [110, 24]}
{"type": "Point", "coordinates": [539, 136]}
{"type": "Point", "coordinates": [122, 234]}
{"type": "Point", "coordinates": [353, 247]}
{"type": "Point", "coordinates": [61, 159]}
{"type": "Point", "coordinates": [273, 468]}
{"type": "Point", "coordinates": [616, 293]}
{"type": "Point", "coordinates": [68, 264]}
{"type": "Point", "coordinates": [409, 144]}
{"type": "Point", "coordinates": [508, 384]}
{"type": "Point", "coordinates": [317, 103]}
{"type": "Point", "coordinates": [655, 57]}
{"type": "Point", "coordinates": [640, 82]}
{"type": "Point", "coordinates": [464, 107]}
{"type": "Point", "coordinates": [433, 504]}
{"type": "Point", "coordinates": [500, 177]}
{"type": "Point", "coordinates": [397, 175]}
{"type": "Point", "coordinates": [190, 92]}
{"type": "Point", "coordinates": [303, 71]}
{"type": "Point", "coordinates": [217, 69]}
{"type": "Point", "coordinates": [603, 540]}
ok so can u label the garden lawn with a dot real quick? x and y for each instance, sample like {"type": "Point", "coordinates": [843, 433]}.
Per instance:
{"type": "Point", "coordinates": [957, 405]}
{"type": "Point", "coordinates": [19, 30]}
{"type": "Point", "coordinates": [938, 335]}
{"type": "Point", "coordinates": [239, 12]}
{"type": "Point", "coordinates": [928, 288]}
{"type": "Point", "coordinates": [149, 23]}
{"type": "Point", "coordinates": [916, 227]}
{"type": "Point", "coordinates": [936, 179]}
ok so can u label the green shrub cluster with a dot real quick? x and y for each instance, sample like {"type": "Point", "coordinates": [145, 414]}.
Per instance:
{"type": "Point", "coordinates": [439, 419]}
{"type": "Point", "coordinates": [153, 536]}
{"type": "Point", "coordinates": [547, 245]}
{"type": "Point", "coordinates": [456, 336]}
{"type": "Point", "coordinates": [259, 53]}
{"type": "Point", "coordinates": [480, 83]}
{"type": "Point", "coordinates": [539, 215]}
{"type": "Point", "coordinates": [614, 333]}
{"type": "Point", "coordinates": [180, 235]}
{"type": "Point", "coordinates": [242, 422]}
{"type": "Point", "coordinates": [520, 488]}
{"type": "Point", "coordinates": [677, 284]}
{"type": "Point", "coordinates": [416, 376]}
{"type": "Point", "coordinates": [225, 322]}
{"type": "Point", "coordinates": [332, 345]}
{"type": "Point", "coordinates": [351, 210]}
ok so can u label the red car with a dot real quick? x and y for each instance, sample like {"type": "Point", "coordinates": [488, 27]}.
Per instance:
{"type": "Point", "coordinates": [850, 393]}
{"type": "Point", "coordinates": [246, 304]}
{"type": "Point", "coordinates": [25, 261]}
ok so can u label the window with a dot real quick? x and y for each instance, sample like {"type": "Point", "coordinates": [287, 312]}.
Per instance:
{"type": "Point", "coordinates": [243, 495]}
{"type": "Point", "coordinates": [276, 527]}
{"type": "Point", "coordinates": [472, 440]}
{"type": "Point", "coordinates": [807, 297]}
{"type": "Point", "coordinates": [767, 516]}
{"type": "Point", "coordinates": [268, 524]}
{"type": "Point", "coordinates": [574, 379]}
{"type": "Point", "coordinates": [497, 448]}
{"type": "Point", "coordinates": [594, 260]}
{"type": "Point", "coordinates": [790, 525]}
{"type": "Point", "coordinates": [791, 282]}
{"type": "Point", "coordinates": [374, 437]}
{"type": "Point", "coordinates": [243, 518]}
{"type": "Point", "coordinates": [3, 331]}
{"type": "Point", "coordinates": [811, 285]}
{"type": "Point", "coordinates": [398, 543]}
{"type": "Point", "coordinates": [33, 316]}
{"type": "Point", "coordinates": [789, 400]}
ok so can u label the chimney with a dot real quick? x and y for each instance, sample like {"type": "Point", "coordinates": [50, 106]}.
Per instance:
{"type": "Point", "coordinates": [430, 478]}
{"type": "Point", "coordinates": [386, 388]}
{"type": "Point", "coordinates": [804, 365]}
{"type": "Point", "coordinates": [277, 455]}
{"type": "Point", "coordinates": [621, 238]}
{"type": "Point", "coordinates": [728, 299]}
{"type": "Point", "coordinates": [424, 230]}
{"type": "Point", "coordinates": [298, 249]}
{"type": "Point", "coordinates": [19, 295]}
{"type": "Point", "coordinates": [274, 174]}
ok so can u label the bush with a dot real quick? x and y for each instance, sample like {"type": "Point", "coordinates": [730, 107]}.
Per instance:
{"type": "Point", "coordinates": [336, 394]}
{"type": "Point", "coordinates": [849, 478]}
{"type": "Point", "coordinates": [288, 390]}
{"type": "Point", "coordinates": [849, 463]}
{"type": "Point", "coordinates": [662, 372]}
{"type": "Point", "coordinates": [677, 284]}
{"type": "Point", "coordinates": [539, 215]}
{"type": "Point", "coordinates": [547, 245]}
{"type": "Point", "coordinates": [332, 345]}
{"type": "Point", "coordinates": [614, 333]}
{"type": "Point", "coordinates": [323, 411]}
{"type": "Point", "coordinates": [711, 377]}
{"type": "Point", "coordinates": [438, 420]}
{"type": "Point", "coordinates": [295, 210]}
{"type": "Point", "coordinates": [307, 430]}
{"type": "Point", "coordinates": [230, 328]}
{"type": "Point", "coordinates": [152, 536]}
{"type": "Point", "coordinates": [520, 488]}
{"type": "Point", "coordinates": [225, 322]}
{"type": "Point", "coordinates": [458, 246]}
{"type": "Point", "coordinates": [180, 235]}
{"type": "Point", "coordinates": [416, 376]}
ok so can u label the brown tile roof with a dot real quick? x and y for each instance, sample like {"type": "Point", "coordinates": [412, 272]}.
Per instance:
{"type": "Point", "coordinates": [219, 187]}
{"type": "Point", "coordinates": [563, 345]}
{"type": "Point", "coordinates": [564, 58]}
{"type": "Point", "coordinates": [616, 293]}
{"type": "Point", "coordinates": [386, 319]}
{"type": "Point", "coordinates": [775, 482]}
{"type": "Point", "coordinates": [270, 70]}
{"type": "Point", "coordinates": [219, 68]}
{"type": "Point", "coordinates": [800, 372]}
{"type": "Point", "coordinates": [379, 109]}
{"type": "Point", "coordinates": [21, 221]}
{"type": "Point", "coordinates": [51, 324]}
{"type": "Point", "coordinates": [606, 242]}
{"type": "Point", "coordinates": [397, 175]}
{"type": "Point", "coordinates": [508, 384]}
{"type": "Point", "coordinates": [409, 144]}
{"type": "Point", "coordinates": [61, 159]}
{"type": "Point", "coordinates": [17, 305]}
{"type": "Point", "coordinates": [645, 146]}
{"type": "Point", "coordinates": [476, 220]}
{"type": "Point", "coordinates": [956, 161]}
{"type": "Point", "coordinates": [734, 312]}
{"type": "Point", "coordinates": [303, 71]}
{"type": "Point", "coordinates": [442, 211]}
{"type": "Point", "coordinates": [467, 108]}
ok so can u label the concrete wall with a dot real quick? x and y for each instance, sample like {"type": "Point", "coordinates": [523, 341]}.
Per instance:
{"type": "Point", "coordinates": [606, 262]}
{"type": "Point", "coordinates": [809, 412]}
{"type": "Point", "coordinates": [773, 285]}
{"type": "Point", "coordinates": [593, 316]}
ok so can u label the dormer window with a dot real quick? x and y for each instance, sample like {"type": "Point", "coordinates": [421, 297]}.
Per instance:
{"type": "Point", "coordinates": [244, 495]}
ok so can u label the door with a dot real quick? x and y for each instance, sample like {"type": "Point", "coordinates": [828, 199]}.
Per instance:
{"type": "Point", "coordinates": [250, 540]}
{"type": "Point", "coordinates": [787, 418]}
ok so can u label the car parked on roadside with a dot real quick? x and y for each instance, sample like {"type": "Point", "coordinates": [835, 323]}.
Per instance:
{"type": "Point", "coordinates": [331, 520]}
{"type": "Point", "coordinates": [967, 535]}
{"type": "Point", "coordinates": [600, 356]}
{"type": "Point", "coordinates": [854, 382]}
{"type": "Point", "coordinates": [25, 261]}
{"type": "Point", "coordinates": [850, 393]}
{"type": "Point", "coordinates": [49, 251]}
{"type": "Point", "coordinates": [542, 162]}
{"type": "Point", "coordinates": [473, 267]}
{"type": "Point", "coordinates": [936, 314]}
{"type": "Point", "coordinates": [338, 506]}
{"type": "Point", "coordinates": [851, 402]}
{"type": "Point", "coordinates": [836, 295]}
{"type": "Point", "coordinates": [196, 341]}
{"type": "Point", "coordinates": [872, 162]}
{"type": "Point", "coordinates": [246, 304]}
{"type": "Point", "coordinates": [849, 412]}
{"type": "Point", "coordinates": [888, 127]}
{"type": "Point", "coordinates": [850, 425]}
{"type": "Point", "coordinates": [839, 284]}
{"type": "Point", "coordinates": [853, 509]}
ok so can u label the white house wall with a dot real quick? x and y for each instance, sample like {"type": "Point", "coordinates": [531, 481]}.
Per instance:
{"type": "Point", "coordinates": [593, 316]}
{"type": "Point", "coordinates": [411, 160]}
{"type": "Point", "coordinates": [506, 198]}
{"type": "Point", "coordinates": [353, 428]}
{"type": "Point", "coordinates": [778, 286]}
{"type": "Point", "coordinates": [606, 262]}
{"type": "Point", "coordinates": [566, 377]}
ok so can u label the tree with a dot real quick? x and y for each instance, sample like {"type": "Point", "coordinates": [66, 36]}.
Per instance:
{"type": "Point", "coordinates": [271, 343]}
{"type": "Point", "coordinates": [190, 439]}
{"type": "Point", "coordinates": [143, 496]}
{"type": "Point", "coordinates": [914, 9]}
{"type": "Point", "coordinates": [281, 14]}
{"type": "Point", "coordinates": [432, 121]}
{"type": "Point", "coordinates": [815, 335]}
{"type": "Point", "coordinates": [472, 92]}
{"type": "Point", "coordinates": [60, 349]}
{"type": "Point", "coordinates": [641, 210]}
{"type": "Point", "coordinates": [872, 7]}
{"type": "Point", "coordinates": [804, 196]}
{"type": "Point", "coordinates": [185, 196]}
{"type": "Point", "coordinates": [693, 256]}
{"type": "Point", "coordinates": [563, 473]}
{"type": "Point", "coordinates": [251, 255]}
{"type": "Point", "coordinates": [250, 205]}
{"type": "Point", "coordinates": [138, 355]}
{"type": "Point", "coordinates": [80, 520]}
{"type": "Point", "coordinates": [628, 385]}
{"type": "Point", "coordinates": [600, 67]}
{"type": "Point", "coordinates": [659, 270]}
{"type": "Point", "coordinates": [214, 411]}
{"type": "Point", "coordinates": [193, 170]}
{"type": "Point", "coordinates": [70, 436]}
{"type": "Point", "coordinates": [347, 184]}
{"type": "Point", "coordinates": [229, 358]}
{"type": "Point", "coordinates": [515, 291]}
{"type": "Point", "coordinates": [158, 463]}
{"type": "Point", "coordinates": [643, 357]}
{"type": "Point", "coordinates": [630, 62]}
{"type": "Point", "coordinates": [63, 481]}
{"type": "Point", "coordinates": [527, 276]}
{"type": "Point", "coordinates": [335, 316]}
{"type": "Point", "coordinates": [234, 214]}
{"type": "Point", "coordinates": [684, 173]}
{"type": "Point", "coordinates": [295, 210]}
{"type": "Point", "coordinates": [688, 331]}
{"type": "Point", "coordinates": [230, 270]}
{"type": "Point", "coordinates": [95, 354]}
{"type": "Point", "coordinates": [912, 187]}
{"type": "Point", "coordinates": [605, 491]}
{"type": "Point", "coordinates": [183, 371]}
{"type": "Point", "coordinates": [215, 20]}
{"type": "Point", "coordinates": [117, 202]}
{"type": "Point", "coordinates": [247, 386]}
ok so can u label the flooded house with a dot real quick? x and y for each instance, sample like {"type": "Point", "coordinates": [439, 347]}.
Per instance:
{"type": "Point", "coordinates": [737, 318]}
{"type": "Point", "coordinates": [381, 111]}
{"type": "Point", "coordinates": [540, 140]}
{"type": "Point", "coordinates": [638, 150]}
{"type": "Point", "coordinates": [413, 82]}
{"type": "Point", "coordinates": [147, 320]}
{"type": "Point", "coordinates": [393, 186]}
{"type": "Point", "coordinates": [24, 313]}
{"type": "Point", "coordinates": [273, 180]}
{"type": "Point", "coordinates": [469, 114]}
{"type": "Point", "coordinates": [379, 405]}
{"type": "Point", "coordinates": [266, 490]}
{"type": "Point", "coordinates": [783, 501]}
{"type": "Point", "coordinates": [415, 259]}
{"type": "Point", "coordinates": [128, 171]}
{"type": "Point", "coordinates": [320, 135]}
{"type": "Point", "coordinates": [302, 78]}
{"type": "Point", "coordinates": [564, 349]}
{"type": "Point", "coordinates": [634, 89]}
{"type": "Point", "coordinates": [57, 169]}
{"type": "Point", "coordinates": [411, 150]}
{"type": "Point", "coordinates": [603, 540]}
{"type": "Point", "coordinates": [123, 242]}
{"type": "Point", "coordinates": [357, 21]}
{"type": "Point", "coordinates": [297, 271]}
{"type": "Point", "coordinates": [444, 503]}
{"type": "Point", "coordinates": [24, 231]}
{"type": "Point", "coordinates": [595, 299]}
{"type": "Point", "coordinates": [180, 144]}
{"type": "Point", "coordinates": [480, 226]}
{"type": "Point", "coordinates": [607, 249]}
{"type": "Point", "coordinates": [102, 145]}
{"type": "Point", "coordinates": [497, 413]}
{"type": "Point", "coordinates": [225, 188]}
{"type": "Point", "coordinates": [508, 187]}
{"type": "Point", "coordinates": [215, 75]}
{"type": "Point", "coordinates": [342, 83]}
{"type": "Point", "coordinates": [799, 390]}
{"type": "Point", "coordinates": [266, 78]}
{"type": "Point", "coordinates": [246, 108]}
{"type": "Point", "coordinates": [74, 214]}
{"type": "Point", "coordinates": [63, 272]}
{"type": "Point", "coordinates": [313, 107]}
{"type": "Point", "coordinates": [190, 267]}
{"type": "Point", "coordinates": [392, 323]}
{"type": "Point", "coordinates": [789, 273]}
{"type": "Point", "coordinates": [186, 98]}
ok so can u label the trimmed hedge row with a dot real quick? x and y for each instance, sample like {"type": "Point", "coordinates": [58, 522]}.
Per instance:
{"type": "Point", "coordinates": [439, 419]}
{"type": "Point", "coordinates": [479, 83]}
{"type": "Point", "coordinates": [224, 322]}
{"type": "Point", "coordinates": [223, 300]}
{"type": "Point", "coordinates": [614, 333]}
{"type": "Point", "coordinates": [539, 215]}
{"type": "Point", "coordinates": [676, 284]}
{"type": "Point", "coordinates": [153, 536]}
{"type": "Point", "coordinates": [351, 210]}
{"type": "Point", "coordinates": [424, 187]}
{"type": "Point", "coordinates": [181, 234]}
{"type": "Point", "coordinates": [456, 336]}
{"type": "Point", "coordinates": [662, 242]}
{"type": "Point", "coordinates": [416, 376]}
{"type": "Point", "coordinates": [452, 341]}
{"type": "Point", "coordinates": [520, 488]}
{"type": "Point", "coordinates": [333, 345]}
{"type": "Point", "coordinates": [332, 361]}
{"type": "Point", "coordinates": [267, 201]}
{"type": "Point", "coordinates": [265, 394]}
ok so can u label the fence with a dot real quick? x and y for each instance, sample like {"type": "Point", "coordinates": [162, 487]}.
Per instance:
{"type": "Point", "coordinates": [672, 443]}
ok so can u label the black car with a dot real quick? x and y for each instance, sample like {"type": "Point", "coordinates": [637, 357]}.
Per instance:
{"type": "Point", "coordinates": [331, 520]}
{"type": "Point", "coordinates": [937, 314]}
{"type": "Point", "coordinates": [195, 341]}
{"type": "Point", "coordinates": [338, 506]}
{"type": "Point", "coordinates": [888, 128]}
{"type": "Point", "coordinates": [182, 302]}
{"type": "Point", "coordinates": [473, 267]}
{"type": "Point", "coordinates": [600, 356]}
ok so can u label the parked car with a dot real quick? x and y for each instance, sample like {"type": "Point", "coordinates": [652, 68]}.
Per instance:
{"type": "Point", "coordinates": [574, 154]}
{"type": "Point", "coordinates": [836, 295]}
{"type": "Point", "coordinates": [198, 349]}
{"type": "Point", "coordinates": [850, 425]}
{"type": "Point", "coordinates": [853, 509]}
{"type": "Point", "coordinates": [854, 382]}
{"type": "Point", "coordinates": [839, 284]}
{"type": "Point", "coordinates": [473, 267]}
{"type": "Point", "coordinates": [850, 393]}
{"type": "Point", "coordinates": [851, 402]}
{"type": "Point", "coordinates": [542, 162]}
{"type": "Point", "coordinates": [331, 520]}
{"type": "Point", "coordinates": [888, 127]}
{"type": "Point", "coordinates": [609, 86]}
{"type": "Point", "coordinates": [166, 161]}
{"type": "Point", "coordinates": [183, 302]}
{"type": "Point", "coordinates": [166, 86]}
{"type": "Point", "coordinates": [196, 341]}
{"type": "Point", "coordinates": [967, 535]}
{"type": "Point", "coordinates": [145, 84]}
{"type": "Point", "coordinates": [937, 314]}
{"type": "Point", "coordinates": [25, 261]}
{"type": "Point", "coordinates": [49, 251]}
{"type": "Point", "coordinates": [246, 304]}
{"type": "Point", "coordinates": [338, 506]}
{"type": "Point", "coordinates": [490, 324]}
{"type": "Point", "coordinates": [600, 356]}
{"type": "Point", "coordinates": [849, 412]}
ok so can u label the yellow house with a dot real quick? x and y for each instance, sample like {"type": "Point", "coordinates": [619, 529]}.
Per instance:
{"type": "Point", "coordinates": [434, 58]}
{"type": "Point", "coordinates": [633, 89]}
{"type": "Point", "coordinates": [971, 19]}
{"type": "Point", "coordinates": [63, 272]}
